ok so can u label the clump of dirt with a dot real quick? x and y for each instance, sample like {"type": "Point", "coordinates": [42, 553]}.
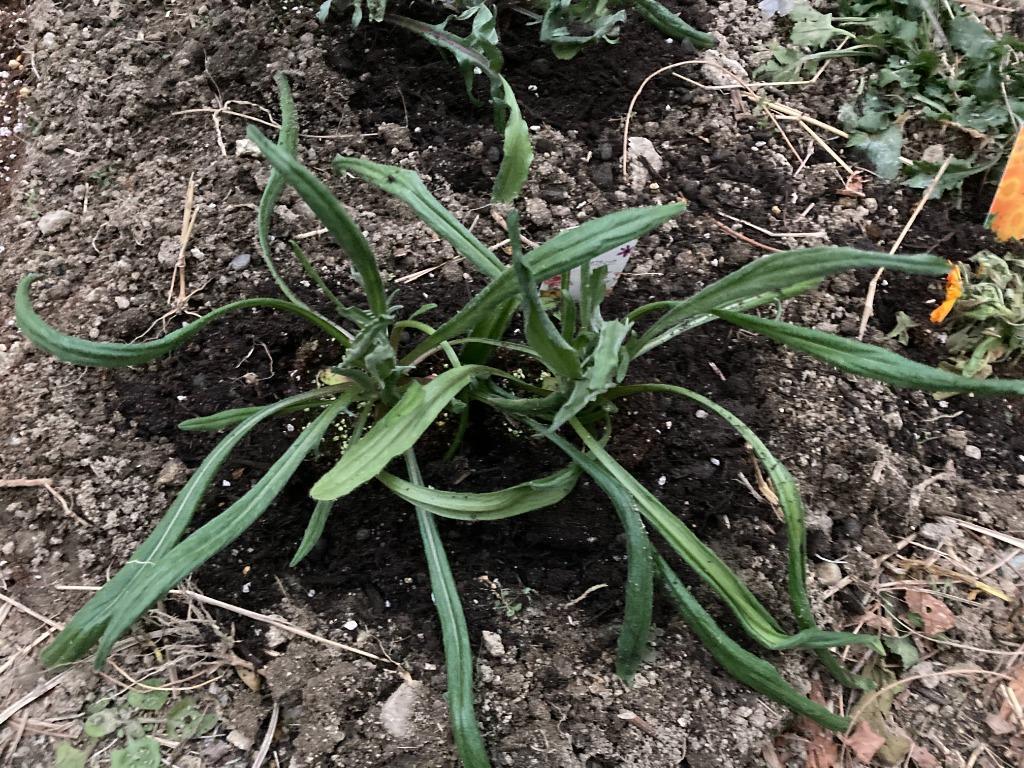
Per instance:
{"type": "Point", "coordinates": [14, 70]}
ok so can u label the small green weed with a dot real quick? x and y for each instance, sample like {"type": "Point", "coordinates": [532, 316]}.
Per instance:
{"type": "Point", "coordinates": [393, 391]}
{"type": "Point", "coordinates": [930, 61]}
{"type": "Point", "coordinates": [135, 723]}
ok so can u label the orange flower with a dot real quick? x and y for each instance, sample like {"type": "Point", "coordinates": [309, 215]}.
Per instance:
{"type": "Point", "coordinates": [1006, 216]}
{"type": "Point", "coordinates": [954, 290]}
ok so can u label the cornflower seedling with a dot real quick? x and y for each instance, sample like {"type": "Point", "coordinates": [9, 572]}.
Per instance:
{"type": "Point", "coordinates": [383, 386]}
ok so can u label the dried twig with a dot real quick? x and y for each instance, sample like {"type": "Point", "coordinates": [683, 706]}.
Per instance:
{"type": "Point", "coordinates": [268, 738]}
{"type": "Point", "coordinates": [28, 698]}
{"type": "Point", "coordinates": [586, 593]}
{"type": "Point", "coordinates": [740, 236]}
{"type": "Point", "coordinates": [47, 483]}
{"type": "Point", "coordinates": [188, 222]}
{"type": "Point", "coordinates": [869, 299]}
{"type": "Point", "coordinates": [285, 626]}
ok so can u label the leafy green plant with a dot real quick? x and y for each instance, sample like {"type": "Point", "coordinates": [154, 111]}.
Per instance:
{"type": "Point", "coordinates": [385, 394]}
{"type": "Point", "coordinates": [987, 319]}
{"type": "Point", "coordinates": [930, 61]}
{"type": "Point", "coordinates": [566, 25]}
{"type": "Point", "coordinates": [134, 722]}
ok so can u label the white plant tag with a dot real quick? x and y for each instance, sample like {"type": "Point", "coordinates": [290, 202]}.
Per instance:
{"type": "Point", "coordinates": [616, 260]}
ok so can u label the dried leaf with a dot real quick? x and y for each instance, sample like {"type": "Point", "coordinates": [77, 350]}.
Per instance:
{"type": "Point", "coordinates": [822, 751]}
{"type": "Point", "coordinates": [246, 672]}
{"type": "Point", "coordinates": [854, 186]}
{"type": "Point", "coordinates": [934, 613]}
{"type": "Point", "coordinates": [998, 725]}
{"type": "Point", "coordinates": [864, 742]}
{"type": "Point", "coordinates": [923, 758]}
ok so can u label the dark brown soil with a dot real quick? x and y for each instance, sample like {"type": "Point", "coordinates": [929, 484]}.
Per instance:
{"type": "Point", "coordinates": [551, 699]}
{"type": "Point", "coordinates": [13, 70]}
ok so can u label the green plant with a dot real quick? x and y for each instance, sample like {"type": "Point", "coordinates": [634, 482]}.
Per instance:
{"type": "Point", "coordinates": [566, 25]}
{"type": "Point", "coordinates": [387, 394]}
{"type": "Point", "coordinates": [930, 60]}
{"type": "Point", "coordinates": [135, 721]}
{"type": "Point", "coordinates": [987, 319]}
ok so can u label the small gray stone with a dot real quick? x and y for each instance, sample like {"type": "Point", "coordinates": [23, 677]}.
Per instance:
{"type": "Point", "coordinates": [972, 452]}
{"type": "Point", "coordinates": [241, 261]}
{"type": "Point", "coordinates": [538, 212]}
{"type": "Point", "coordinates": [172, 472]}
{"type": "Point", "coordinates": [123, 302]}
{"type": "Point", "coordinates": [167, 254]}
{"type": "Point", "coordinates": [53, 222]}
{"type": "Point", "coordinates": [49, 40]}
{"type": "Point", "coordinates": [643, 161]}
{"type": "Point", "coordinates": [828, 573]}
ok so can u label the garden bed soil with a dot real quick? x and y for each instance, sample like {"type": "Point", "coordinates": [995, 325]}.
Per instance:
{"type": "Point", "coordinates": [118, 128]}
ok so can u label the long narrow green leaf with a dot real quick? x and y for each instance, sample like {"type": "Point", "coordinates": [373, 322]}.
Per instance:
{"type": "Point", "coordinates": [492, 326]}
{"type": "Point", "coordinates": [752, 615]}
{"type": "Point", "coordinates": [870, 361]}
{"type": "Point", "coordinates": [107, 354]}
{"type": "Point", "coordinates": [158, 575]}
{"type": "Point", "coordinates": [85, 627]}
{"type": "Point", "coordinates": [793, 512]}
{"type": "Point", "coordinates": [648, 342]}
{"type": "Point", "coordinates": [408, 187]}
{"type": "Point", "coordinates": [516, 149]}
{"type": "Point", "coordinates": [492, 505]}
{"type": "Point", "coordinates": [561, 253]}
{"type": "Point", "coordinates": [639, 593]}
{"type": "Point", "coordinates": [355, 316]}
{"type": "Point", "coordinates": [231, 416]}
{"type": "Point", "coordinates": [605, 368]}
{"type": "Point", "coordinates": [780, 271]}
{"type": "Point", "coordinates": [395, 433]}
{"type": "Point", "coordinates": [554, 351]}
{"type": "Point", "coordinates": [331, 214]}
{"type": "Point", "coordinates": [288, 141]}
{"type": "Point", "coordinates": [744, 666]}
{"type": "Point", "coordinates": [457, 651]}
{"type": "Point", "coordinates": [669, 23]}
{"type": "Point", "coordinates": [314, 530]}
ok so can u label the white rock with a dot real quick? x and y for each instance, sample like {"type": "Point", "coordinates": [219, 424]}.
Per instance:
{"type": "Point", "coordinates": [398, 713]}
{"type": "Point", "coordinates": [240, 740]}
{"type": "Point", "coordinates": [972, 452]}
{"type": "Point", "coordinates": [643, 158]}
{"type": "Point", "coordinates": [53, 222]}
{"type": "Point", "coordinates": [492, 644]}
{"type": "Point", "coordinates": [123, 302]}
{"type": "Point", "coordinates": [246, 148]}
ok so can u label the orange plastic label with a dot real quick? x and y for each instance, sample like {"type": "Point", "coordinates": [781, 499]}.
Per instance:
{"type": "Point", "coordinates": [1006, 216]}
